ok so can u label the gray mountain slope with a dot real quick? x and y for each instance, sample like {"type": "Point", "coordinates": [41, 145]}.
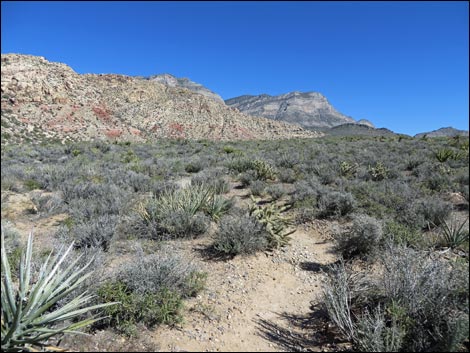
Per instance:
{"type": "Point", "coordinates": [172, 81]}
{"type": "Point", "coordinates": [309, 109]}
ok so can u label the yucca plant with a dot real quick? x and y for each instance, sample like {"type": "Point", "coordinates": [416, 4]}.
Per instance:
{"type": "Point", "coordinates": [217, 206]}
{"type": "Point", "coordinates": [453, 234]}
{"type": "Point", "coordinates": [190, 199]}
{"type": "Point", "coordinates": [443, 154]}
{"type": "Point", "coordinates": [29, 317]}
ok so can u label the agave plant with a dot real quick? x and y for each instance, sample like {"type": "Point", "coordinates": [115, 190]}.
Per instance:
{"type": "Point", "coordinates": [29, 317]}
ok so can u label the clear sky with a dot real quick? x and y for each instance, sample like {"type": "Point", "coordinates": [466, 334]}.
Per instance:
{"type": "Point", "coordinates": [402, 65]}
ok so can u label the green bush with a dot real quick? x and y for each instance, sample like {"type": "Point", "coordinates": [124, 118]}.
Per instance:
{"type": "Point", "coordinates": [162, 307]}
{"type": "Point", "coordinates": [402, 234]}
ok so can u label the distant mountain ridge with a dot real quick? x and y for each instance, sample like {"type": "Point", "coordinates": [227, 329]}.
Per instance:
{"type": "Point", "coordinates": [444, 132]}
{"type": "Point", "coordinates": [308, 109]}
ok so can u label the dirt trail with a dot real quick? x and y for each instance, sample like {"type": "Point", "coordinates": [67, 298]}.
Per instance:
{"type": "Point", "coordinates": [251, 303]}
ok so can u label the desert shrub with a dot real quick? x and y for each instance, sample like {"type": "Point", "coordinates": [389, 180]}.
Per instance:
{"type": "Point", "coordinates": [213, 180]}
{"type": "Point", "coordinates": [326, 174]}
{"type": "Point", "coordinates": [412, 163]}
{"type": "Point", "coordinates": [262, 170]}
{"type": "Point", "coordinates": [87, 200]}
{"type": "Point", "coordinates": [158, 188]}
{"type": "Point", "coordinates": [276, 191]}
{"type": "Point", "coordinates": [306, 191]}
{"type": "Point", "coordinates": [338, 299]}
{"type": "Point", "coordinates": [150, 309]}
{"type": "Point", "coordinates": [257, 187]}
{"type": "Point", "coordinates": [240, 235]}
{"type": "Point", "coordinates": [153, 273]}
{"type": "Point", "coordinates": [376, 332]}
{"type": "Point", "coordinates": [431, 295]}
{"type": "Point", "coordinates": [32, 184]}
{"type": "Point", "coordinates": [403, 234]}
{"type": "Point", "coordinates": [286, 176]}
{"type": "Point", "coordinates": [431, 211]}
{"type": "Point", "coordinates": [335, 204]}
{"type": "Point", "coordinates": [96, 232]}
{"type": "Point", "coordinates": [464, 192]}
{"type": "Point", "coordinates": [181, 224]}
{"type": "Point", "coordinates": [247, 178]}
{"type": "Point", "coordinates": [240, 165]}
{"type": "Point", "coordinates": [362, 239]}
{"type": "Point", "coordinates": [438, 182]}
{"type": "Point", "coordinates": [138, 182]}
{"type": "Point", "coordinates": [194, 166]}
{"type": "Point", "coordinates": [415, 304]}
{"type": "Point", "coordinates": [47, 204]}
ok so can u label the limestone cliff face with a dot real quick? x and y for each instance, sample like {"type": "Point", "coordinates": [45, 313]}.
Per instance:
{"type": "Point", "coordinates": [309, 109]}
{"type": "Point", "coordinates": [44, 100]}
{"type": "Point", "coordinates": [172, 81]}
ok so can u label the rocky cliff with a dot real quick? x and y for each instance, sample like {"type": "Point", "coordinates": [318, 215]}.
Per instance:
{"type": "Point", "coordinates": [309, 109]}
{"type": "Point", "coordinates": [172, 81]}
{"type": "Point", "coordinates": [42, 100]}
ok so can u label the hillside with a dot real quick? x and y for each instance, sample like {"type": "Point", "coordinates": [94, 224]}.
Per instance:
{"type": "Point", "coordinates": [357, 130]}
{"type": "Point", "coordinates": [42, 100]}
{"type": "Point", "coordinates": [443, 132]}
{"type": "Point", "coordinates": [309, 109]}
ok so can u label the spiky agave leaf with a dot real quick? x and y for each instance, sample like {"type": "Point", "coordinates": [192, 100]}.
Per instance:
{"type": "Point", "coordinates": [27, 318]}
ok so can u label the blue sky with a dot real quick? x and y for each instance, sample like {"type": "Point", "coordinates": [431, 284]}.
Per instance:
{"type": "Point", "coordinates": [402, 65]}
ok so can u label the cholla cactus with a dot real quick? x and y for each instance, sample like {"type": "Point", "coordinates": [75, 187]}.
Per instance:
{"type": "Point", "coordinates": [264, 170]}
{"type": "Point", "coordinates": [275, 224]}
{"type": "Point", "coordinates": [347, 169]}
{"type": "Point", "coordinates": [379, 172]}
{"type": "Point", "coordinates": [28, 315]}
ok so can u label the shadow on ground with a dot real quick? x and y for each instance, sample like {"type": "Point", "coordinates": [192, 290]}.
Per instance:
{"type": "Point", "coordinates": [301, 332]}
{"type": "Point", "coordinates": [315, 266]}
{"type": "Point", "coordinates": [208, 253]}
